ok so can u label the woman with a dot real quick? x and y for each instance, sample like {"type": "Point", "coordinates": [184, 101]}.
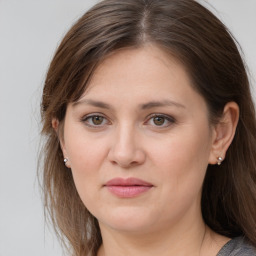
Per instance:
{"type": "Point", "coordinates": [150, 134]}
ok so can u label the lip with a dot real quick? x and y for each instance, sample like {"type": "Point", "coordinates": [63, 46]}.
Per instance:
{"type": "Point", "coordinates": [127, 188]}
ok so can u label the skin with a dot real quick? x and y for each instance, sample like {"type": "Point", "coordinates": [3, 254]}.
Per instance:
{"type": "Point", "coordinates": [121, 137]}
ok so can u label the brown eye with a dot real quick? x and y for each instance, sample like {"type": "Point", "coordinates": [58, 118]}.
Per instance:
{"type": "Point", "coordinates": [158, 120]}
{"type": "Point", "coordinates": [97, 120]}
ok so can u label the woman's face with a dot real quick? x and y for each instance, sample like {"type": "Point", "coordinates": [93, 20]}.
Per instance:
{"type": "Point", "coordinates": [139, 142]}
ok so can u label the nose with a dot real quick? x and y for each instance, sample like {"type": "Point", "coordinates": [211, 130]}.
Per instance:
{"type": "Point", "coordinates": [126, 149]}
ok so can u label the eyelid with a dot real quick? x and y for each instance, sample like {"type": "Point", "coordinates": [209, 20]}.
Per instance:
{"type": "Point", "coordinates": [169, 118]}
{"type": "Point", "coordinates": [86, 117]}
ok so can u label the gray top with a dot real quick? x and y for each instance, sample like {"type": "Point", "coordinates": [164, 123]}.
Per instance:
{"type": "Point", "coordinates": [237, 247]}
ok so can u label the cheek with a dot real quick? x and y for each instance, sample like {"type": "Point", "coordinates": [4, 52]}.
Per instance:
{"type": "Point", "coordinates": [185, 150]}
{"type": "Point", "coordinates": [84, 151]}
{"type": "Point", "coordinates": [85, 165]}
{"type": "Point", "coordinates": [184, 158]}
{"type": "Point", "coordinates": [181, 164]}
{"type": "Point", "coordinates": [86, 156]}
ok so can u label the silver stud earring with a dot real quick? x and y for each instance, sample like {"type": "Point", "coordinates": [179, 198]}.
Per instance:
{"type": "Point", "coordinates": [220, 159]}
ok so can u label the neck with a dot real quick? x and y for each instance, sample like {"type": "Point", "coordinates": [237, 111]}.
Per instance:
{"type": "Point", "coordinates": [178, 240]}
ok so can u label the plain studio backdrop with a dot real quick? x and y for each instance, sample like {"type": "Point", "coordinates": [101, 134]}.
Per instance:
{"type": "Point", "coordinates": [30, 31]}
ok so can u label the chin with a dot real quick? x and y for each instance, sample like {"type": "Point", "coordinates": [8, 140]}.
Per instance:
{"type": "Point", "coordinates": [128, 220]}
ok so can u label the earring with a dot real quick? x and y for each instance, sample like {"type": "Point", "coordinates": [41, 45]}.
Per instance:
{"type": "Point", "coordinates": [220, 159]}
{"type": "Point", "coordinates": [65, 161]}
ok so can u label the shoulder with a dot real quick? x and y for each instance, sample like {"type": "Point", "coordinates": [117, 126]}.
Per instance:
{"type": "Point", "coordinates": [238, 246]}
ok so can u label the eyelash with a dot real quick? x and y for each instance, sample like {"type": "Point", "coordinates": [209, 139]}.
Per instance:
{"type": "Point", "coordinates": [166, 118]}
{"type": "Point", "coordinates": [89, 117]}
{"type": "Point", "coordinates": [88, 123]}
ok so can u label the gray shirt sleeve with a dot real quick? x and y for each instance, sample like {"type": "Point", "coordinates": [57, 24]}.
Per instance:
{"type": "Point", "coordinates": [237, 247]}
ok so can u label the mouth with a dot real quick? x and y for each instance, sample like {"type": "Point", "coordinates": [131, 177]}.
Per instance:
{"type": "Point", "coordinates": [127, 188]}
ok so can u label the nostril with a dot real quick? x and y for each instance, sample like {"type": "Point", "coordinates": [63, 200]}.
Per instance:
{"type": "Point", "coordinates": [134, 163]}
{"type": "Point", "coordinates": [127, 162]}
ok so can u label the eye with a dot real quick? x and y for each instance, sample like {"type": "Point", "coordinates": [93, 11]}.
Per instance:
{"type": "Point", "coordinates": [160, 120]}
{"type": "Point", "coordinates": [95, 120]}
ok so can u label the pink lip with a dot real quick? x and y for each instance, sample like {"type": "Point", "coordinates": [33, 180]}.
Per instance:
{"type": "Point", "coordinates": [127, 188]}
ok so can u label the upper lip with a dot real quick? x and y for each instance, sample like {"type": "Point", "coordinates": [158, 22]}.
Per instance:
{"type": "Point", "coordinates": [128, 182]}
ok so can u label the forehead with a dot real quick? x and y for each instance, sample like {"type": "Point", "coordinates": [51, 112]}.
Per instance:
{"type": "Point", "coordinates": [147, 67]}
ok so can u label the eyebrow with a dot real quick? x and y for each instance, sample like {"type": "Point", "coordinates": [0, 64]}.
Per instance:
{"type": "Point", "coordinates": [148, 105]}
{"type": "Point", "coordinates": [94, 103]}
{"type": "Point", "coordinates": [163, 103]}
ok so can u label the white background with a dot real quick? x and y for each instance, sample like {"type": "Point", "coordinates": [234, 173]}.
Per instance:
{"type": "Point", "coordinates": [29, 33]}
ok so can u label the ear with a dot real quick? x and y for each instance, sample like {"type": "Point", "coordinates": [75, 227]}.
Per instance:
{"type": "Point", "coordinates": [56, 126]}
{"type": "Point", "coordinates": [224, 132]}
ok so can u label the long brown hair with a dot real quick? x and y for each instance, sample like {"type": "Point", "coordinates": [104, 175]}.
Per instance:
{"type": "Point", "coordinates": [192, 34]}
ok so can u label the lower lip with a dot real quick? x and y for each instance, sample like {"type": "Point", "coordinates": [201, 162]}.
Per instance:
{"type": "Point", "coordinates": [128, 191]}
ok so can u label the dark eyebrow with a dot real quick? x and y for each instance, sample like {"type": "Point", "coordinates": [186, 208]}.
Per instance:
{"type": "Point", "coordinates": [151, 104]}
{"type": "Point", "coordinates": [163, 103]}
{"type": "Point", "coordinates": [94, 103]}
